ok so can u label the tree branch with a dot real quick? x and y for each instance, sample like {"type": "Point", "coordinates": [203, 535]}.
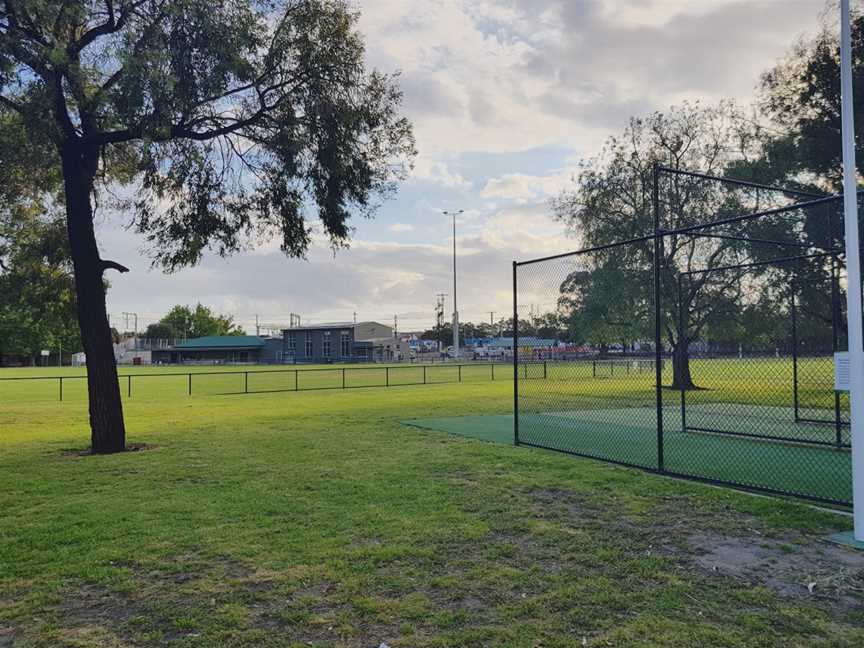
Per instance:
{"type": "Point", "coordinates": [113, 265]}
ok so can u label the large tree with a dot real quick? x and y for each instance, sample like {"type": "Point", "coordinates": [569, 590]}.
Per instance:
{"type": "Point", "coordinates": [610, 294]}
{"type": "Point", "coordinates": [229, 120]}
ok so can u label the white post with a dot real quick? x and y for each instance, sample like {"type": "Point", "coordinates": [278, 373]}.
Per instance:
{"type": "Point", "coordinates": [853, 272]}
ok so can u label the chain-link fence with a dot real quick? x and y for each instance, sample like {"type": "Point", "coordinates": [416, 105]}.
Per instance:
{"type": "Point", "coordinates": [708, 342]}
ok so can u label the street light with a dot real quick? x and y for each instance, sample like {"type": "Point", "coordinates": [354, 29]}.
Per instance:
{"type": "Point", "coordinates": [454, 214]}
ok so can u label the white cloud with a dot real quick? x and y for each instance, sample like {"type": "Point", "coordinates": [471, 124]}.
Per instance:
{"type": "Point", "coordinates": [438, 173]}
{"type": "Point", "coordinates": [525, 188]}
{"type": "Point", "coordinates": [401, 227]}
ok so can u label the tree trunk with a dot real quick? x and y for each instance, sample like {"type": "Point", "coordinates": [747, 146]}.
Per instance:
{"type": "Point", "coordinates": [107, 429]}
{"type": "Point", "coordinates": [681, 377]}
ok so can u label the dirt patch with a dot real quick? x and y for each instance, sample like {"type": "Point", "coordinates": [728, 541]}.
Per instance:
{"type": "Point", "coordinates": [792, 567]}
{"type": "Point", "coordinates": [87, 452]}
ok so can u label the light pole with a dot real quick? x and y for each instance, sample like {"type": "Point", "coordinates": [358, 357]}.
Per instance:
{"type": "Point", "coordinates": [454, 214]}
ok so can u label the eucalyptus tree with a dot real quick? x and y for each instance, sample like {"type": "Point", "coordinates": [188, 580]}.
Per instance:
{"type": "Point", "coordinates": [611, 294]}
{"type": "Point", "coordinates": [228, 122]}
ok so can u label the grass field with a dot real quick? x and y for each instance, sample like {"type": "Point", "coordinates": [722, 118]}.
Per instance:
{"type": "Point", "coordinates": [318, 518]}
{"type": "Point", "coordinates": [42, 384]}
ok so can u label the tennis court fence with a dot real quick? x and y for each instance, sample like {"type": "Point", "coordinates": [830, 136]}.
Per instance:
{"type": "Point", "coordinates": [737, 291]}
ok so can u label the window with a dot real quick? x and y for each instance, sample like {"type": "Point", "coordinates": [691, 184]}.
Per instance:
{"type": "Point", "coordinates": [292, 340]}
{"type": "Point", "coordinates": [308, 343]}
{"type": "Point", "coordinates": [325, 347]}
{"type": "Point", "coordinates": [345, 344]}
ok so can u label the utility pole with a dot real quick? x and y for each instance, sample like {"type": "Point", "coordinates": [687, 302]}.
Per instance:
{"type": "Point", "coordinates": [491, 318]}
{"type": "Point", "coordinates": [395, 326]}
{"type": "Point", "coordinates": [455, 305]}
{"type": "Point", "coordinates": [257, 327]}
{"type": "Point", "coordinates": [355, 317]}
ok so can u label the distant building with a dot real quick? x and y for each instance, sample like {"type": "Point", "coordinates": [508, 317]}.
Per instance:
{"type": "Point", "coordinates": [344, 342]}
{"type": "Point", "coordinates": [221, 349]}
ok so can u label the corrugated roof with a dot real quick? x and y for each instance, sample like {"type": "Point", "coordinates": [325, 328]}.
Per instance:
{"type": "Point", "coordinates": [222, 342]}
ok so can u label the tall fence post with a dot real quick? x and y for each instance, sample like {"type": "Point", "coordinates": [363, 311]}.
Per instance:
{"type": "Point", "coordinates": [296, 381]}
{"type": "Point", "coordinates": [246, 383]}
{"type": "Point", "coordinates": [61, 389]}
{"type": "Point", "coordinates": [386, 376]}
{"type": "Point", "coordinates": [493, 371]}
{"type": "Point", "coordinates": [794, 314]}
{"type": "Point", "coordinates": [658, 356]}
{"type": "Point", "coordinates": [515, 360]}
{"type": "Point", "coordinates": [459, 368]}
{"type": "Point", "coordinates": [682, 342]}
{"type": "Point", "coordinates": [835, 346]}
{"type": "Point", "coordinates": [190, 385]}
{"type": "Point", "coordinates": [545, 370]}
{"type": "Point", "coordinates": [424, 374]}
{"type": "Point", "coordinates": [343, 377]}
{"type": "Point", "coordinates": [129, 386]}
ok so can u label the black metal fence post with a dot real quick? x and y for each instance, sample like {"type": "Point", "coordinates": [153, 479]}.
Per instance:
{"type": "Point", "coordinates": [343, 377]}
{"type": "Point", "coordinates": [246, 383]}
{"type": "Point", "coordinates": [190, 385]}
{"type": "Point", "coordinates": [794, 315]}
{"type": "Point", "coordinates": [424, 374]}
{"type": "Point", "coordinates": [459, 370]}
{"type": "Point", "coordinates": [61, 389]}
{"type": "Point", "coordinates": [386, 376]}
{"type": "Point", "coordinates": [658, 356]}
{"type": "Point", "coordinates": [296, 381]}
{"type": "Point", "coordinates": [545, 371]}
{"type": "Point", "coordinates": [682, 341]}
{"type": "Point", "coordinates": [515, 360]}
{"type": "Point", "coordinates": [129, 386]}
{"type": "Point", "coordinates": [835, 347]}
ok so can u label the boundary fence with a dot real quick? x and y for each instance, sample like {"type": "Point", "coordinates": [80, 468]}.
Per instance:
{"type": "Point", "coordinates": [274, 380]}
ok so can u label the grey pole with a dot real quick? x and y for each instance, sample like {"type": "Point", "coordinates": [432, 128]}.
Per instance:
{"type": "Point", "coordinates": [455, 307]}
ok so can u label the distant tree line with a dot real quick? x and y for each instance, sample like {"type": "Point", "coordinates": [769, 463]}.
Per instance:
{"type": "Point", "coordinates": [192, 322]}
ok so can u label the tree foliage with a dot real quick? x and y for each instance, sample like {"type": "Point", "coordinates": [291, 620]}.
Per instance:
{"type": "Point", "coordinates": [37, 295]}
{"type": "Point", "coordinates": [192, 322]}
{"type": "Point", "coordinates": [232, 118]}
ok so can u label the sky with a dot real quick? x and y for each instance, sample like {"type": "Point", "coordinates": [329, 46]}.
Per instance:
{"type": "Point", "coordinates": [506, 97]}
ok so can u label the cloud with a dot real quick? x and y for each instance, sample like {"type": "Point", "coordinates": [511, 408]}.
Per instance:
{"type": "Point", "coordinates": [525, 188]}
{"type": "Point", "coordinates": [438, 173]}
{"type": "Point", "coordinates": [401, 227]}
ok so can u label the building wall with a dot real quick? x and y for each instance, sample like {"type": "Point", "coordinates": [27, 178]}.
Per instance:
{"type": "Point", "coordinates": [318, 338]}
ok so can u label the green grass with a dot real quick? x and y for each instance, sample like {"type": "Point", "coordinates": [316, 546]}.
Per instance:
{"type": "Point", "coordinates": [317, 518]}
{"type": "Point", "coordinates": [41, 384]}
